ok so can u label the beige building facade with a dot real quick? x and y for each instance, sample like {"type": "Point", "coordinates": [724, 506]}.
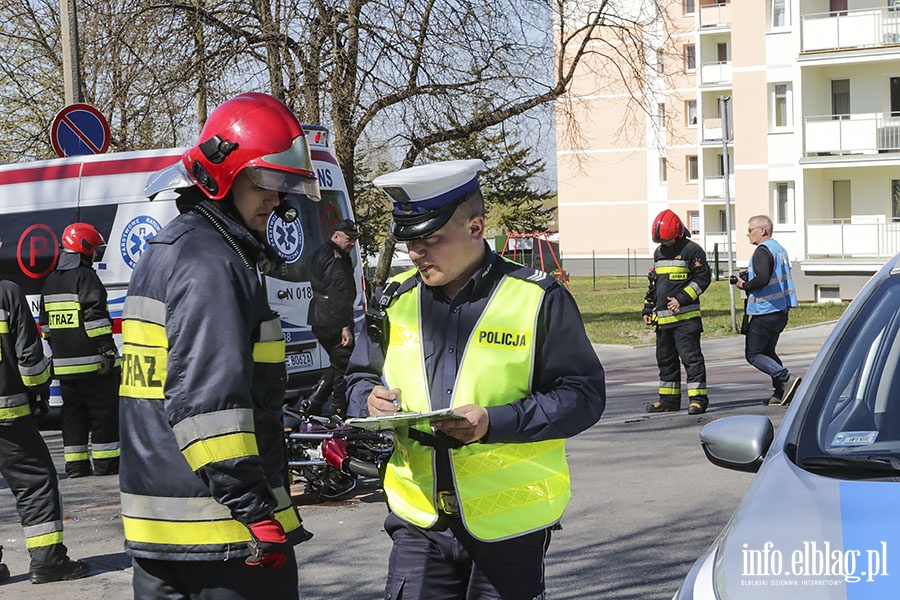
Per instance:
{"type": "Point", "coordinates": [812, 89]}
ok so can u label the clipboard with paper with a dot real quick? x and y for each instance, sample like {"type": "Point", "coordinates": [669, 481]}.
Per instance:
{"type": "Point", "coordinates": [404, 419]}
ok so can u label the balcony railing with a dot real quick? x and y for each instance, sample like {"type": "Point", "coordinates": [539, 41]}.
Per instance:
{"type": "Point", "coordinates": [865, 133]}
{"type": "Point", "coordinates": [715, 15]}
{"type": "Point", "coordinates": [851, 29]}
{"type": "Point", "coordinates": [715, 73]}
{"type": "Point", "coordinates": [859, 237]}
{"type": "Point", "coordinates": [714, 187]}
{"type": "Point", "coordinates": [712, 130]}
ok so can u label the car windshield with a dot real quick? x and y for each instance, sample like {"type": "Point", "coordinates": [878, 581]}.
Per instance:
{"type": "Point", "coordinates": [854, 415]}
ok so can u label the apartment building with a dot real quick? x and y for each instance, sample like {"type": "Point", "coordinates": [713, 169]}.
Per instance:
{"type": "Point", "coordinates": [812, 88]}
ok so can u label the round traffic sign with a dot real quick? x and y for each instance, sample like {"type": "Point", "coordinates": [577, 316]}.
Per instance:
{"type": "Point", "coordinates": [79, 129]}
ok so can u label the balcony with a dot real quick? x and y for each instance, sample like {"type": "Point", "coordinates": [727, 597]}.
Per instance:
{"type": "Point", "coordinates": [866, 28]}
{"type": "Point", "coordinates": [861, 236]}
{"type": "Point", "coordinates": [839, 135]}
{"type": "Point", "coordinates": [711, 130]}
{"type": "Point", "coordinates": [714, 187]}
{"type": "Point", "coordinates": [715, 13]}
{"type": "Point", "coordinates": [715, 73]}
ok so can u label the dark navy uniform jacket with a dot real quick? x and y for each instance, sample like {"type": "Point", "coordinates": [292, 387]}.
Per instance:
{"type": "Point", "coordinates": [569, 391]}
{"type": "Point", "coordinates": [334, 284]}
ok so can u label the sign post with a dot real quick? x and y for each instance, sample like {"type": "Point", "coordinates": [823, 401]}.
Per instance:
{"type": "Point", "coordinates": [79, 129]}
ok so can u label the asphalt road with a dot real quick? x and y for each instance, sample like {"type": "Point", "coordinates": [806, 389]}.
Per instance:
{"type": "Point", "coordinates": [645, 500]}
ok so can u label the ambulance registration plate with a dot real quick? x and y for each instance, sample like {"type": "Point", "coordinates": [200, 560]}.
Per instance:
{"type": "Point", "coordinates": [301, 359]}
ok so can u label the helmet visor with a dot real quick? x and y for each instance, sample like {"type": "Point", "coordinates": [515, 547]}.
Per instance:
{"type": "Point", "coordinates": [284, 181]}
{"type": "Point", "coordinates": [296, 157]}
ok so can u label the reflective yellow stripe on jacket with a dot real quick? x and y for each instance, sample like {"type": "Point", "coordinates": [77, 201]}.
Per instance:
{"type": "Point", "coordinates": [166, 522]}
{"type": "Point", "coordinates": [159, 520]}
{"type": "Point", "coordinates": [505, 490]}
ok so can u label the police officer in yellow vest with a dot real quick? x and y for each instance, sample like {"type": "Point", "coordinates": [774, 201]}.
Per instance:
{"type": "Point", "coordinates": [472, 502]}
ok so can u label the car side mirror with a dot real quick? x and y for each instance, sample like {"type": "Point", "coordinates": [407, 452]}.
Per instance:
{"type": "Point", "coordinates": [739, 442]}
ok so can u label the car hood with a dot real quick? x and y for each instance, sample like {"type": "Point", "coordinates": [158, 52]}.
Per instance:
{"type": "Point", "coordinates": [798, 535]}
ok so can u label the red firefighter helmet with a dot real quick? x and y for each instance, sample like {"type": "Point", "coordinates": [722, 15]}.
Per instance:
{"type": "Point", "coordinates": [667, 227]}
{"type": "Point", "coordinates": [257, 133]}
{"type": "Point", "coordinates": [83, 238]}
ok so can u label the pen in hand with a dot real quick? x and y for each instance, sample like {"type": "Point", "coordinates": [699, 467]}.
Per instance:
{"type": "Point", "coordinates": [385, 384]}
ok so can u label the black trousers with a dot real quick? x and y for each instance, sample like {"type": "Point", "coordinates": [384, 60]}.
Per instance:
{"type": "Point", "coordinates": [213, 580]}
{"type": "Point", "coordinates": [90, 423]}
{"type": "Point", "coordinates": [450, 564]}
{"type": "Point", "coordinates": [675, 345]}
{"type": "Point", "coordinates": [27, 467]}
{"type": "Point", "coordinates": [332, 381]}
{"type": "Point", "coordinates": [762, 337]}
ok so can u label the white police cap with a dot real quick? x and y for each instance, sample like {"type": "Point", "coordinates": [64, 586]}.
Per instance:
{"type": "Point", "coordinates": [425, 197]}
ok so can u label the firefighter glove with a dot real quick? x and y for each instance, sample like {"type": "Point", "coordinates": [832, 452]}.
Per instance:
{"type": "Point", "coordinates": [268, 545]}
{"type": "Point", "coordinates": [107, 362]}
{"type": "Point", "coordinates": [39, 399]}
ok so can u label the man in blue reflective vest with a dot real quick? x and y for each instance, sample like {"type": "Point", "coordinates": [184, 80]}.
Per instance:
{"type": "Point", "coordinates": [770, 295]}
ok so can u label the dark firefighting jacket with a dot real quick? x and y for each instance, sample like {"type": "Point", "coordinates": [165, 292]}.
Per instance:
{"type": "Point", "coordinates": [23, 366]}
{"type": "Point", "coordinates": [75, 318]}
{"type": "Point", "coordinates": [203, 380]}
{"type": "Point", "coordinates": [334, 287]}
{"type": "Point", "coordinates": [679, 271]}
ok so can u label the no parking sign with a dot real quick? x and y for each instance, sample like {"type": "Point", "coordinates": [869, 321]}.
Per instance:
{"type": "Point", "coordinates": [79, 129]}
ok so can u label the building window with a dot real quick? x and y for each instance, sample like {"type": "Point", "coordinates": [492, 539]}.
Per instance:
{"type": "Point", "coordinates": [690, 57]}
{"type": "Point", "coordinates": [661, 115]}
{"type": "Point", "coordinates": [689, 7]}
{"type": "Point", "coordinates": [660, 61]}
{"type": "Point", "coordinates": [895, 200]}
{"type": "Point", "coordinates": [663, 174]}
{"type": "Point", "coordinates": [722, 52]}
{"type": "Point", "coordinates": [894, 87]}
{"type": "Point", "coordinates": [692, 171]}
{"type": "Point", "coordinates": [780, 105]}
{"type": "Point", "coordinates": [690, 112]}
{"type": "Point", "coordinates": [694, 221]}
{"type": "Point", "coordinates": [841, 200]}
{"type": "Point", "coordinates": [783, 202]}
{"type": "Point", "coordinates": [840, 98]}
{"type": "Point", "coordinates": [779, 13]}
{"type": "Point", "coordinates": [838, 8]}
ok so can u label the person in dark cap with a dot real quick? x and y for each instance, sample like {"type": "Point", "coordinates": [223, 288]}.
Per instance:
{"type": "Point", "coordinates": [472, 501]}
{"type": "Point", "coordinates": [331, 316]}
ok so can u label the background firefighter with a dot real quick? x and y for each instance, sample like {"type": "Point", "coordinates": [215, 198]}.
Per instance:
{"type": "Point", "coordinates": [25, 461]}
{"type": "Point", "coordinates": [75, 322]}
{"type": "Point", "coordinates": [680, 275]}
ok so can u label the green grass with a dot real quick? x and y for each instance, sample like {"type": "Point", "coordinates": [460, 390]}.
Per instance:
{"type": "Point", "coordinates": [612, 311]}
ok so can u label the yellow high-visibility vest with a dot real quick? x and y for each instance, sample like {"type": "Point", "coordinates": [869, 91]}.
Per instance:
{"type": "Point", "coordinates": [505, 490]}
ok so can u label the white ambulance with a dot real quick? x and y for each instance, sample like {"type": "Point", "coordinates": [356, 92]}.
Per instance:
{"type": "Point", "coordinates": [38, 199]}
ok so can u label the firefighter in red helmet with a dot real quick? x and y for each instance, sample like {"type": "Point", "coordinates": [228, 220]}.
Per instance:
{"type": "Point", "coordinates": [679, 276]}
{"type": "Point", "coordinates": [203, 368]}
{"type": "Point", "coordinates": [75, 322]}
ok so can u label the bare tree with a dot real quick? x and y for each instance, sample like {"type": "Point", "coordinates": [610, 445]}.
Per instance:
{"type": "Point", "coordinates": [396, 76]}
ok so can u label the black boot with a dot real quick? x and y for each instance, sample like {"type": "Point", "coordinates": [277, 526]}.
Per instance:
{"type": "Point", "coordinates": [73, 569]}
{"type": "Point", "coordinates": [52, 563]}
{"type": "Point", "coordinates": [4, 570]}
{"type": "Point", "coordinates": [339, 406]}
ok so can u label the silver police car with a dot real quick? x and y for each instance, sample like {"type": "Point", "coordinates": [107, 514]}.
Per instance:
{"type": "Point", "coordinates": [821, 518]}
